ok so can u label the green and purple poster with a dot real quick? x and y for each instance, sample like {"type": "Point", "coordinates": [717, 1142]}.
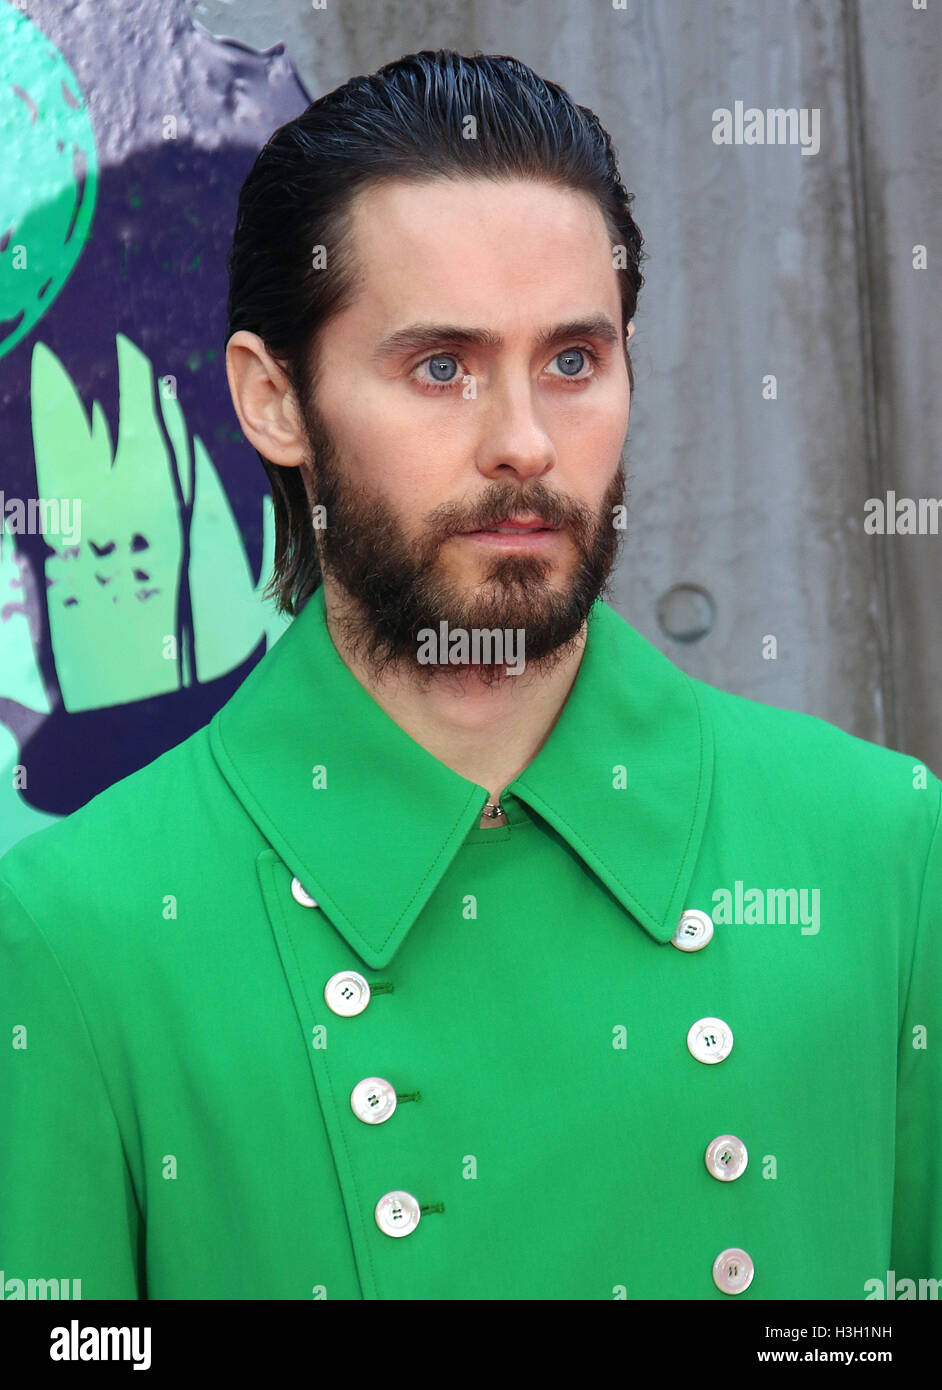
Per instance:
{"type": "Point", "coordinates": [136, 534]}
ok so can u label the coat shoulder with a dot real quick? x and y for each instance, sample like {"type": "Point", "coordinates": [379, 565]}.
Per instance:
{"type": "Point", "coordinates": [146, 825]}
{"type": "Point", "coordinates": [818, 765]}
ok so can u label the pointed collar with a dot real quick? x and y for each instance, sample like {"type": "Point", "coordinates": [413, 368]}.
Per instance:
{"type": "Point", "coordinates": [369, 820]}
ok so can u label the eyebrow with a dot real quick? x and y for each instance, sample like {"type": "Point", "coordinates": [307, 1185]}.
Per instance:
{"type": "Point", "coordinates": [417, 337]}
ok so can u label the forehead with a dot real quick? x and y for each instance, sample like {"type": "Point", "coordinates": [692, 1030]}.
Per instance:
{"type": "Point", "coordinates": [479, 251]}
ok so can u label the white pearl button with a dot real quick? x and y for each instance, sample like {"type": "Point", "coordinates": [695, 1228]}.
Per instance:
{"type": "Point", "coordinates": [347, 993]}
{"type": "Point", "coordinates": [301, 895]}
{"type": "Point", "coordinates": [733, 1271]}
{"type": "Point", "coordinates": [710, 1040]}
{"type": "Point", "coordinates": [694, 931]}
{"type": "Point", "coordinates": [397, 1213]}
{"type": "Point", "coordinates": [373, 1100]}
{"type": "Point", "coordinates": [726, 1157]}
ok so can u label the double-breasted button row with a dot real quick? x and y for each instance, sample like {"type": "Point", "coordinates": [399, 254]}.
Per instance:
{"type": "Point", "coordinates": [726, 1159]}
{"type": "Point", "coordinates": [710, 1040]}
{"type": "Point", "coordinates": [373, 1100]}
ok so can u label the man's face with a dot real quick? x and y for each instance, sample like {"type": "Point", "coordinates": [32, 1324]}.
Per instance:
{"type": "Point", "coordinates": [456, 394]}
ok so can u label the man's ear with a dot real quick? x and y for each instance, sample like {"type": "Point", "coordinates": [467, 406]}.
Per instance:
{"type": "Point", "coordinates": [264, 400]}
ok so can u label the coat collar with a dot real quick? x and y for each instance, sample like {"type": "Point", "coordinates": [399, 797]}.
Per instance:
{"type": "Point", "coordinates": [373, 842]}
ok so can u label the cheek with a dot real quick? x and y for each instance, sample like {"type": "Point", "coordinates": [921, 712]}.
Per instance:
{"type": "Point", "coordinates": [599, 414]}
{"type": "Point", "coordinates": [386, 433]}
{"type": "Point", "coordinates": [362, 436]}
{"type": "Point", "coordinates": [593, 439]}
{"type": "Point", "coordinates": [391, 458]}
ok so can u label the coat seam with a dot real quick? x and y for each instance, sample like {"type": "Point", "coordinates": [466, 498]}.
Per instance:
{"type": "Point", "coordinates": [269, 868]}
{"type": "Point", "coordinates": [919, 909]}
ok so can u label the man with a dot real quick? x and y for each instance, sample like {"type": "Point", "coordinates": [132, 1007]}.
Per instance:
{"type": "Point", "coordinates": [472, 950]}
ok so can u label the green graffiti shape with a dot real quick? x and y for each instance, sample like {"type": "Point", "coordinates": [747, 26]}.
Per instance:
{"type": "Point", "coordinates": [48, 174]}
{"type": "Point", "coordinates": [112, 593]}
{"type": "Point", "coordinates": [113, 579]}
{"type": "Point", "coordinates": [229, 617]}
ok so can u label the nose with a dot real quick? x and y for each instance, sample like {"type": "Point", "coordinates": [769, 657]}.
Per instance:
{"type": "Point", "coordinates": [514, 439]}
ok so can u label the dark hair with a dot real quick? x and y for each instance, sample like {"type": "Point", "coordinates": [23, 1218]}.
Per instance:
{"type": "Point", "coordinates": [404, 121]}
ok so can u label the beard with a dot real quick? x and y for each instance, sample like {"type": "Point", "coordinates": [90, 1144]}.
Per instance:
{"type": "Point", "coordinates": [394, 584]}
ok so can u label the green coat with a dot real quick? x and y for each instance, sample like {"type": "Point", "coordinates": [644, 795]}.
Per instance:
{"type": "Point", "coordinates": [543, 1085]}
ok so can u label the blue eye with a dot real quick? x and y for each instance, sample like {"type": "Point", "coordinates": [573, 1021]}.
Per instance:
{"type": "Point", "coordinates": [574, 360]}
{"type": "Point", "coordinates": [434, 365]}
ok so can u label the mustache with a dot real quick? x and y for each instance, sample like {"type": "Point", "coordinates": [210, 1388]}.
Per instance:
{"type": "Point", "coordinates": [495, 507]}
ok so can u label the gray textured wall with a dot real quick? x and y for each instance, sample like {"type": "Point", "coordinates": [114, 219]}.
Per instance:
{"type": "Point", "coordinates": [762, 261]}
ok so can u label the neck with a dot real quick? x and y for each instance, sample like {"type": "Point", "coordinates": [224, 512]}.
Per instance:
{"type": "Point", "coordinates": [486, 731]}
